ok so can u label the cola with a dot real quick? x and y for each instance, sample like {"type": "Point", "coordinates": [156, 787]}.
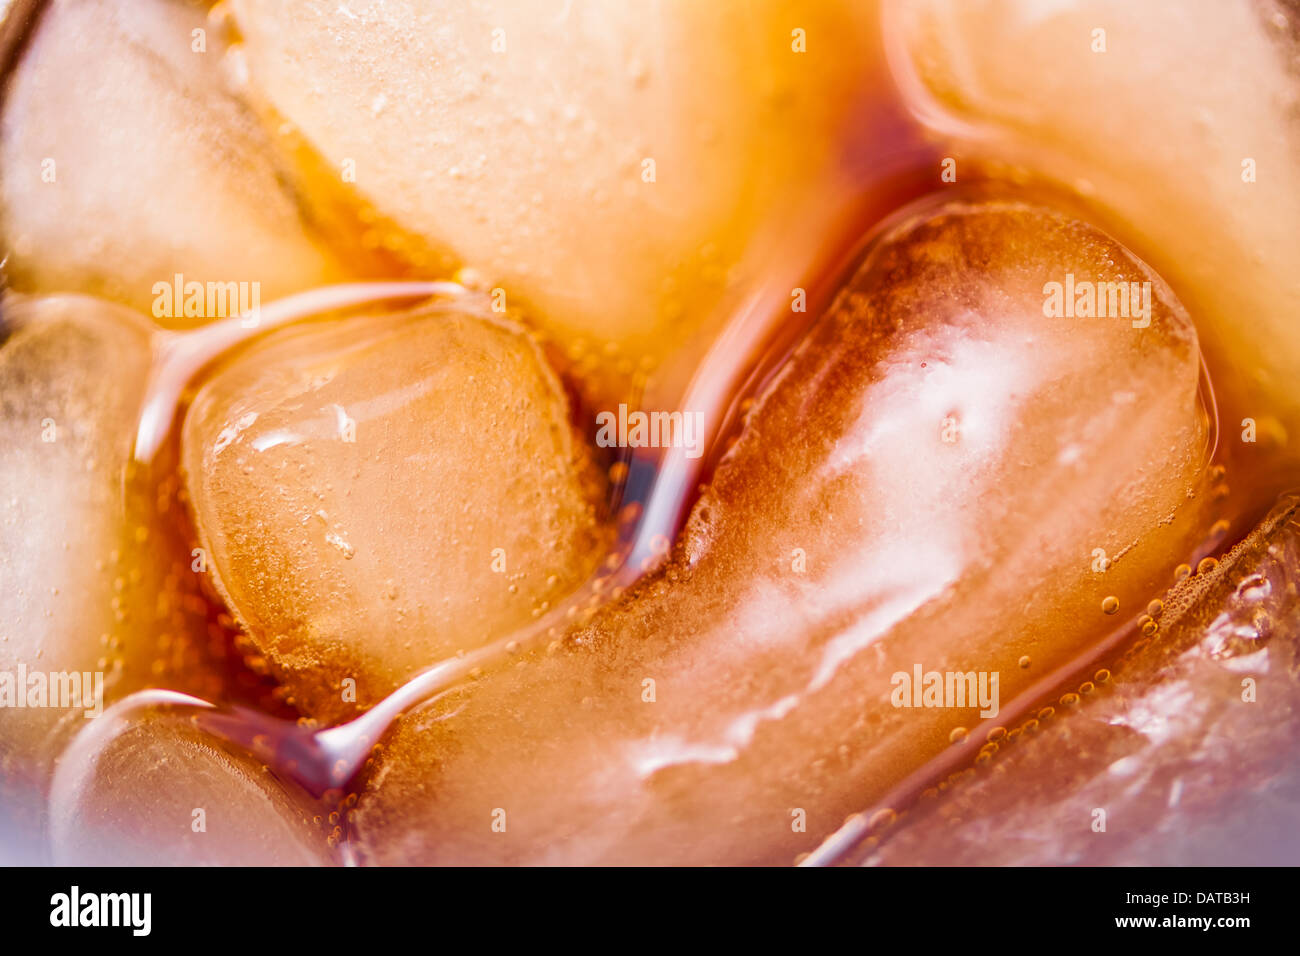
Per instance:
{"type": "Point", "coordinates": [612, 437]}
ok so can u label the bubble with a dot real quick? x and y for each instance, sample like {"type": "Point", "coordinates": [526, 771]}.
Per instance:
{"type": "Point", "coordinates": [1110, 604]}
{"type": "Point", "coordinates": [882, 819]}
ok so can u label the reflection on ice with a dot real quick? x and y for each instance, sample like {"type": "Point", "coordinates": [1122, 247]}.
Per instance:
{"type": "Point", "coordinates": [893, 500]}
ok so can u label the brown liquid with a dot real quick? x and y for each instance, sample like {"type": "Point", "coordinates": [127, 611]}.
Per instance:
{"type": "Point", "coordinates": [891, 165]}
{"type": "Point", "coordinates": [651, 502]}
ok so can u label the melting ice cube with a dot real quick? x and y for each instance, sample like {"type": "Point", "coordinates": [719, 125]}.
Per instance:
{"type": "Point", "coordinates": [1182, 129]}
{"type": "Point", "coordinates": [128, 169]}
{"type": "Point", "coordinates": [380, 492]}
{"type": "Point", "coordinates": [98, 593]}
{"type": "Point", "coordinates": [613, 167]}
{"type": "Point", "coordinates": [145, 786]}
{"type": "Point", "coordinates": [928, 486]}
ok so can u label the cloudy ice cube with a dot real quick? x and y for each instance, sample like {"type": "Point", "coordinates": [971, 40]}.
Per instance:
{"type": "Point", "coordinates": [621, 170]}
{"type": "Point", "coordinates": [1186, 749]}
{"type": "Point", "coordinates": [98, 587]}
{"type": "Point", "coordinates": [949, 475]}
{"type": "Point", "coordinates": [144, 786]}
{"type": "Point", "coordinates": [1179, 127]}
{"type": "Point", "coordinates": [126, 161]}
{"type": "Point", "coordinates": [380, 492]}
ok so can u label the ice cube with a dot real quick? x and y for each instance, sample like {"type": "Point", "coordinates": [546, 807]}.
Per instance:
{"type": "Point", "coordinates": [1182, 129]}
{"type": "Point", "coordinates": [380, 492]}
{"type": "Point", "coordinates": [931, 483]}
{"type": "Point", "coordinates": [125, 162]}
{"type": "Point", "coordinates": [1185, 746]}
{"type": "Point", "coordinates": [97, 584]}
{"type": "Point", "coordinates": [146, 786]}
{"type": "Point", "coordinates": [619, 170]}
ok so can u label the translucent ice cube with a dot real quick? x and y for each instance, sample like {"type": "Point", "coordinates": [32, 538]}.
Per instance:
{"type": "Point", "coordinates": [1182, 126]}
{"type": "Point", "coordinates": [146, 787]}
{"type": "Point", "coordinates": [380, 492]}
{"type": "Point", "coordinates": [1186, 745]}
{"type": "Point", "coordinates": [126, 162]}
{"type": "Point", "coordinates": [95, 582]}
{"type": "Point", "coordinates": [944, 478]}
{"type": "Point", "coordinates": [611, 166]}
